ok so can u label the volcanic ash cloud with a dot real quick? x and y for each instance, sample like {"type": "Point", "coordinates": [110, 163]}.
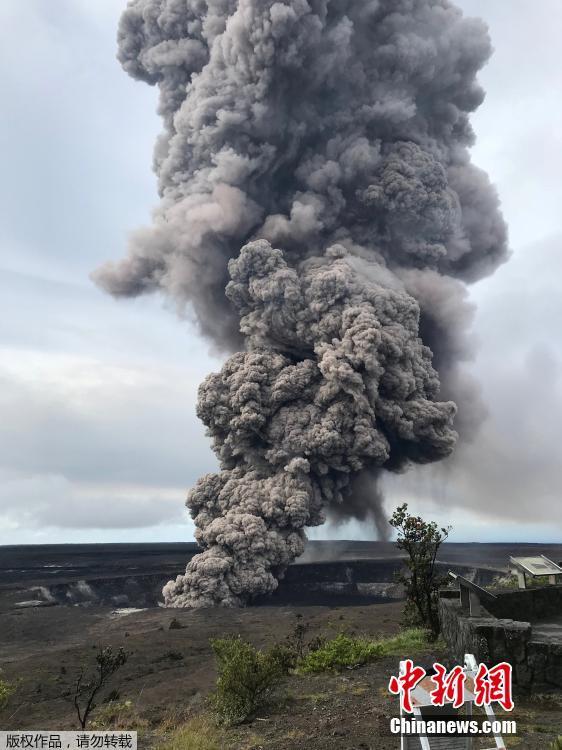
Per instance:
{"type": "Point", "coordinates": [329, 140]}
{"type": "Point", "coordinates": [334, 380]}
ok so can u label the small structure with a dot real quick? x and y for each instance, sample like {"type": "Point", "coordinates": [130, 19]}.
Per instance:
{"type": "Point", "coordinates": [423, 709]}
{"type": "Point", "coordinates": [472, 596]}
{"type": "Point", "coordinates": [534, 567]}
{"type": "Point", "coordinates": [522, 626]}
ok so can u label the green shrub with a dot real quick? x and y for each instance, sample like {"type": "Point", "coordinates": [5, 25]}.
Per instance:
{"type": "Point", "coordinates": [345, 651]}
{"type": "Point", "coordinates": [6, 691]}
{"type": "Point", "coordinates": [246, 678]}
{"type": "Point", "coordinates": [293, 649]}
{"type": "Point", "coordinates": [557, 744]}
{"type": "Point", "coordinates": [338, 653]}
{"type": "Point", "coordinates": [406, 642]}
{"type": "Point", "coordinates": [198, 733]}
{"type": "Point", "coordinates": [285, 657]}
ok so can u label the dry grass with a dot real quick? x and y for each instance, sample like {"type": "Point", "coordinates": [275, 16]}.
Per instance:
{"type": "Point", "coordinates": [117, 715]}
{"type": "Point", "coordinates": [199, 733]}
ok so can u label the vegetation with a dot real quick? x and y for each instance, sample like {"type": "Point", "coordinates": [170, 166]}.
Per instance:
{"type": "Point", "coordinates": [7, 689]}
{"type": "Point", "coordinates": [87, 687]}
{"type": "Point", "coordinates": [246, 678]}
{"type": "Point", "coordinates": [199, 733]}
{"type": "Point", "coordinates": [120, 715]}
{"type": "Point", "coordinates": [508, 581]}
{"type": "Point", "coordinates": [410, 641]}
{"type": "Point", "coordinates": [297, 642]}
{"type": "Point", "coordinates": [538, 581]}
{"type": "Point", "coordinates": [347, 652]}
{"type": "Point", "coordinates": [557, 744]}
{"type": "Point", "coordinates": [341, 652]}
{"type": "Point", "coordinates": [289, 653]}
{"type": "Point", "coordinates": [421, 541]}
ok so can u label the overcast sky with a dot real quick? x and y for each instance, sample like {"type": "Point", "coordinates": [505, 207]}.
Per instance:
{"type": "Point", "coordinates": [98, 435]}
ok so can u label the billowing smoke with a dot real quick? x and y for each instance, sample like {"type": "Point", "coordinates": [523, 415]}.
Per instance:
{"type": "Point", "coordinates": [329, 140]}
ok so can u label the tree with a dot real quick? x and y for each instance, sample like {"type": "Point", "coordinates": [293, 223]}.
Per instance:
{"type": "Point", "coordinates": [108, 662]}
{"type": "Point", "coordinates": [421, 541]}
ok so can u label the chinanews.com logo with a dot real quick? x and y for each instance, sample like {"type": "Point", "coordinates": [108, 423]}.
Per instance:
{"type": "Point", "coordinates": [429, 703]}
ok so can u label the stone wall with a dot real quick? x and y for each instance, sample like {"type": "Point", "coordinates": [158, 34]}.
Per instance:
{"type": "Point", "coordinates": [493, 640]}
{"type": "Point", "coordinates": [490, 639]}
{"type": "Point", "coordinates": [529, 604]}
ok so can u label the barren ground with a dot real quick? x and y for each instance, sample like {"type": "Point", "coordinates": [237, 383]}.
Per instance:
{"type": "Point", "coordinates": [170, 672]}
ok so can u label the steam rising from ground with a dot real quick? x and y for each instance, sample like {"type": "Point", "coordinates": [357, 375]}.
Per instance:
{"type": "Point", "coordinates": [328, 138]}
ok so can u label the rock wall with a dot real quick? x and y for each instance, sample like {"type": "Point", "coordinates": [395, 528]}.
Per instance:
{"type": "Point", "coordinates": [536, 662]}
{"type": "Point", "coordinates": [529, 604]}
{"type": "Point", "coordinates": [325, 583]}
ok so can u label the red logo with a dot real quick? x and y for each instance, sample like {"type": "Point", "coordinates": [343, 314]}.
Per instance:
{"type": "Point", "coordinates": [443, 688]}
{"type": "Point", "coordinates": [450, 687]}
{"type": "Point", "coordinates": [405, 683]}
{"type": "Point", "coordinates": [494, 685]}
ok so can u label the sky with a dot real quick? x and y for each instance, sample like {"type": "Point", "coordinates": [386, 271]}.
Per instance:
{"type": "Point", "coordinates": [99, 440]}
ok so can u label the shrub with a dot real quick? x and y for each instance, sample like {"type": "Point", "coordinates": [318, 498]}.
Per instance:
{"type": "Point", "coordinates": [174, 717]}
{"type": "Point", "coordinates": [246, 678]}
{"type": "Point", "coordinates": [296, 640]}
{"type": "Point", "coordinates": [338, 653]}
{"type": "Point", "coordinates": [6, 691]}
{"type": "Point", "coordinates": [557, 744]}
{"type": "Point", "coordinates": [347, 652]}
{"type": "Point", "coordinates": [87, 687]}
{"type": "Point", "coordinates": [508, 581]}
{"type": "Point", "coordinates": [285, 657]}
{"type": "Point", "coordinates": [117, 715]}
{"type": "Point", "coordinates": [421, 541]}
{"type": "Point", "coordinates": [410, 641]}
{"type": "Point", "coordinates": [293, 649]}
{"type": "Point", "coordinates": [198, 733]}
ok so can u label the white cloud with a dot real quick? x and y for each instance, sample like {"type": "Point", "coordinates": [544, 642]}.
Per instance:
{"type": "Point", "coordinates": [84, 419]}
{"type": "Point", "coordinates": [47, 501]}
{"type": "Point", "coordinates": [94, 445]}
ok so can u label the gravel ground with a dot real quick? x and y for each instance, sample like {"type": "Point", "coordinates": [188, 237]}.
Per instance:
{"type": "Point", "coordinates": [170, 671]}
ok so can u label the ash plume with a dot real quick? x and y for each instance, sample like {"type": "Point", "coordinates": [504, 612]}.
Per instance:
{"type": "Point", "coordinates": [329, 140]}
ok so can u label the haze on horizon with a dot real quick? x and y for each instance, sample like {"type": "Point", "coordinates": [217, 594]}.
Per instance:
{"type": "Point", "coordinates": [98, 437]}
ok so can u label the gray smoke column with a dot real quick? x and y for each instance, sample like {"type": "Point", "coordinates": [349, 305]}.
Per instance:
{"type": "Point", "coordinates": [329, 140]}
